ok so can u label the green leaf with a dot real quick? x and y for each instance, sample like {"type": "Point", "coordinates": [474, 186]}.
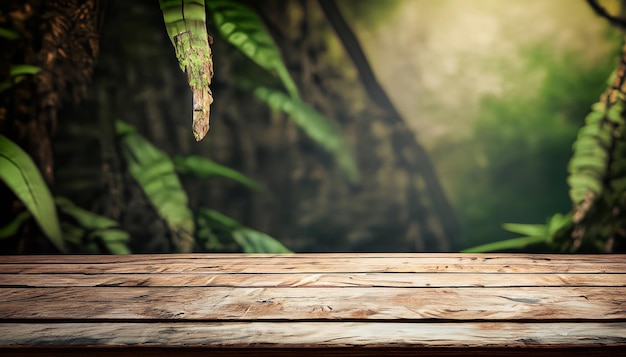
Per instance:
{"type": "Point", "coordinates": [13, 226]}
{"type": "Point", "coordinates": [558, 222]}
{"type": "Point", "coordinates": [154, 172]}
{"type": "Point", "coordinates": [591, 162]}
{"type": "Point", "coordinates": [93, 226]}
{"type": "Point", "coordinates": [219, 220]}
{"type": "Point", "coordinates": [203, 168]}
{"type": "Point", "coordinates": [16, 75]}
{"type": "Point", "coordinates": [241, 26]}
{"type": "Point", "coordinates": [534, 233]}
{"type": "Point", "coordinates": [515, 243]}
{"type": "Point", "coordinates": [315, 125]}
{"type": "Point", "coordinates": [533, 230]}
{"type": "Point", "coordinates": [21, 175]}
{"type": "Point", "coordinates": [23, 69]}
{"type": "Point", "coordinates": [84, 218]}
{"type": "Point", "coordinates": [251, 241]}
{"type": "Point", "coordinates": [8, 34]}
{"type": "Point", "coordinates": [256, 242]}
{"type": "Point", "coordinates": [115, 240]}
{"type": "Point", "coordinates": [118, 248]}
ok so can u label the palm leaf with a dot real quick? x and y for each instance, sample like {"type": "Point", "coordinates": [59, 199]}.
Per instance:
{"type": "Point", "coordinates": [154, 172]}
{"type": "Point", "coordinates": [242, 27]}
{"type": "Point", "coordinates": [92, 226]}
{"type": "Point", "coordinates": [250, 240]}
{"type": "Point", "coordinates": [19, 173]}
{"type": "Point", "coordinates": [257, 242]}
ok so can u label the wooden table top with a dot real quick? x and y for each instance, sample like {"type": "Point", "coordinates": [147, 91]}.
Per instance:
{"type": "Point", "coordinates": [354, 304]}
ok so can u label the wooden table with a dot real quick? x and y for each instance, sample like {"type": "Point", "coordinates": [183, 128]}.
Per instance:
{"type": "Point", "coordinates": [325, 304]}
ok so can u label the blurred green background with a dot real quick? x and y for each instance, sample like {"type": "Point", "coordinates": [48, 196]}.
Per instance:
{"type": "Point", "coordinates": [496, 91]}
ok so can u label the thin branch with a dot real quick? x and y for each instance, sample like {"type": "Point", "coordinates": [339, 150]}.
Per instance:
{"type": "Point", "coordinates": [354, 50]}
{"type": "Point", "coordinates": [416, 158]}
{"type": "Point", "coordinates": [601, 11]}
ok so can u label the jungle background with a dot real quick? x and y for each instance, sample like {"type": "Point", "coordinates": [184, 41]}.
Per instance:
{"type": "Point", "coordinates": [460, 116]}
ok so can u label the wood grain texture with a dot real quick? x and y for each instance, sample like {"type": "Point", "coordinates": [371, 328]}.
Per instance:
{"type": "Point", "coordinates": [397, 280]}
{"type": "Point", "coordinates": [313, 263]}
{"type": "Point", "coordinates": [315, 334]}
{"type": "Point", "coordinates": [261, 351]}
{"type": "Point", "coordinates": [223, 303]}
{"type": "Point", "coordinates": [334, 304]}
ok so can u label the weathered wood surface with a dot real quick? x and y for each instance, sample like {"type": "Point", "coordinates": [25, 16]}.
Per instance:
{"type": "Point", "coordinates": [359, 304]}
{"type": "Point", "coordinates": [346, 303]}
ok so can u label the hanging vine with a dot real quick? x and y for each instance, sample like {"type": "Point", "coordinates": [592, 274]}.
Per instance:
{"type": "Point", "coordinates": [185, 21]}
{"type": "Point", "coordinates": [598, 170]}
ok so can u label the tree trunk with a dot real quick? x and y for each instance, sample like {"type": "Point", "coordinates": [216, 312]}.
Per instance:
{"type": "Point", "coordinates": [61, 38]}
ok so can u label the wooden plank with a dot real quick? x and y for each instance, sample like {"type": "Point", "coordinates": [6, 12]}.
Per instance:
{"type": "Point", "coordinates": [358, 304]}
{"type": "Point", "coordinates": [65, 259]}
{"type": "Point", "coordinates": [297, 264]}
{"type": "Point", "coordinates": [223, 303]}
{"type": "Point", "coordinates": [277, 351]}
{"type": "Point", "coordinates": [498, 259]}
{"type": "Point", "coordinates": [398, 280]}
{"type": "Point", "coordinates": [315, 334]}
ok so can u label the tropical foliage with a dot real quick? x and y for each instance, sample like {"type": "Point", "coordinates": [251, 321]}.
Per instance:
{"type": "Point", "coordinates": [157, 175]}
{"type": "Point", "coordinates": [20, 174]}
{"type": "Point", "coordinates": [82, 231]}
{"type": "Point", "coordinates": [597, 185]}
{"type": "Point", "coordinates": [153, 170]}
{"type": "Point", "coordinates": [241, 26]}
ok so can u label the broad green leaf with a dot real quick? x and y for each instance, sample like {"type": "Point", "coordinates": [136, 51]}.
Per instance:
{"type": "Point", "coordinates": [19, 173]}
{"type": "Point", "coordinates": [118, 248]}
{"type": "Point", "coordinates": [185, 21]}
{"type": "Point", "coordinates": [203, 168]}
{"type": "Point", "coordinates": [241, 26]}
{"type": "Point", "coordinates": [515, 243]}
{"type": "Point", "coordinates": [93, 226]}
{"type": "Point", "coordinates": [256, 242]}
{"type": "Point", "coordinates": [251, 241]}
{"type": "Point", "coordinates": [213, 236]}
{"type": "Point", "coordinates": [114, 239]}
{"type": "Point", "coordinates": [84, 218]}
{"type": "Point", "coordinates": [315, 125]}
{"type": "Point", "coordinates": [154, 172]}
